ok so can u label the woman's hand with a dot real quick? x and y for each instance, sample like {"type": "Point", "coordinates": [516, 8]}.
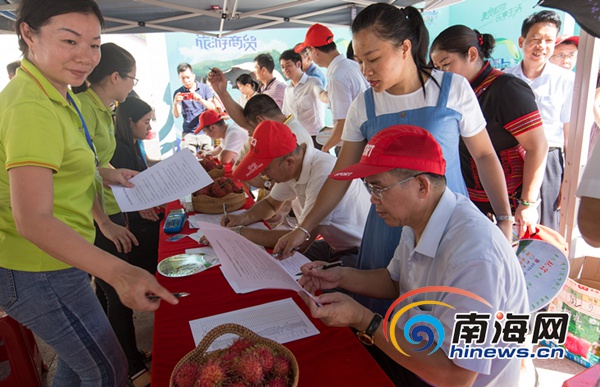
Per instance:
{"type": "Point", "coordinates": [119, 235]}
{"type": "Point", "coordinates": [133, 285]}
{"type": "Point", "coordinates": [118, 176]}
{"type": "Point", "coordinates": [526, 218]}
{"type": "Point", "coordinates": [149, 214]}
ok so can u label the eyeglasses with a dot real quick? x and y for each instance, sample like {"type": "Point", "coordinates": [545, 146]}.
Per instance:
{"type": "Point", "coordinates": [377, 193]}
{"type": "Point", "coordinates": [135, 80]}
{"type": "Point", "coordinates": [564, 56]}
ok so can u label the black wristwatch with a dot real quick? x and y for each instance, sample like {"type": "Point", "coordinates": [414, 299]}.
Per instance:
{"type": "Point", "coordinates": [367, 336]}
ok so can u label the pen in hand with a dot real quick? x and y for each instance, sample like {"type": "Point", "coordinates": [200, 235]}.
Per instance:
{"type": "Point", "coordinates": [225, 220]}
{"type": "Point", "coordinates": [278, 255]}
{"type": "Point", "coordinates": [153, 297]}
{"type": "Point", "coordinates": [328, 266]}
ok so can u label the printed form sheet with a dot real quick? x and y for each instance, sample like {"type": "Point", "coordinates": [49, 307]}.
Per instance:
{"type": "Point", "coordinates": [282, 321]}
{"type": "Point", "coordinates": [171, 179]}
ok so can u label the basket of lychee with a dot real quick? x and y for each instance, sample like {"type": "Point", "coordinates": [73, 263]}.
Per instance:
{"type": "Point", "coordinates": [212, 166]}
{"type": "Point", "coordinates": [251, 360]}
{"type": "Point", "coordinates": [210, 199]}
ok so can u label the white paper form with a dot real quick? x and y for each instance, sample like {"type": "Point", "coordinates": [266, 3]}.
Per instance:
{"type": "Point", "coordinates": [216, 219]}
{"type": "Point", "coordinates": [282, 321]}
{"type": "Point", "coordinates": [171, 179]}
{"type": "Point", "coordinates": [247, 266]}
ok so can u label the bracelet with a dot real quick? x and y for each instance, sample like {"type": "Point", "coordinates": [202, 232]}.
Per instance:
{"type": "Point", "coordinates": [237, 229]}
{"type": "Point", "coordinates": [529, 204]}
{"type": "Point", "coordinates": [505, 217]}
{"type": "Point", "coordinates": [303, 230]}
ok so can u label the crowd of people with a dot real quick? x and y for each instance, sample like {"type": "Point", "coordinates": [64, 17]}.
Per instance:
{"type": "Point", "coordinates": [455, 157]}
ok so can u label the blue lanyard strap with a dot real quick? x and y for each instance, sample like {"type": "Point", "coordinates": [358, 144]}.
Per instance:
{"type": "Point", "coordinates": [85, 129]}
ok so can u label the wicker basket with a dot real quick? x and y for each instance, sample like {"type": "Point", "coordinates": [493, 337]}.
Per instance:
{"type": "Point", "coordinates": [200, 356]}
{"type": "Point", "coordinates": [216, 173]}
{"type": "Point", "coordinates": [209, 205]}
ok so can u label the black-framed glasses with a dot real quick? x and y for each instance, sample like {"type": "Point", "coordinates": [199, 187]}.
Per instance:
{"type": "Point", "coordinates": [135, 80]}
{"type": "Point", "coordinates": [377, 193]}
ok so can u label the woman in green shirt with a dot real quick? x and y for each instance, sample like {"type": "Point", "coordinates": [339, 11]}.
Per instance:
{"type": "Point", "coordinates": [46, 199]}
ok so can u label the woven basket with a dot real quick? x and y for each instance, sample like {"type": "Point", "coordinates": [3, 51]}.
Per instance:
{"type": "Point", "coordinates": [209, 205]}
{"type": "Point", "coordinates": [200, 356]}
{"type": "Point", "coordinates": [216, 173]}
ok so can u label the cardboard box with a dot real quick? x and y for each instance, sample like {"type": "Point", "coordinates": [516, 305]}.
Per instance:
{"type": "Point", "coordinates": [580, 298]}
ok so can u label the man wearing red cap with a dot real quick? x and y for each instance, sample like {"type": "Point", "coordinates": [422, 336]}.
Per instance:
{"type": "Point", "coordinates": [565, 52]}
{"type": "Point", "coordinates": [344, 79]}
{"type": "Point", "coordinates": [446, 241]}
{"type": "Point", "coordinates": [299, 172]}
{"type": "Point", "coordinates": [233, 137]}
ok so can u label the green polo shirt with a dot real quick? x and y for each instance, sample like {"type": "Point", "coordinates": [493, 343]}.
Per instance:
{"type": "Point", "coordinates": [38, 127]}
{"type": "Point", "coordinates": [100, 124]}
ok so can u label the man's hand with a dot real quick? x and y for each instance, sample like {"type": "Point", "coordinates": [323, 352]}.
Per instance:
{"type": "Point", "coordinates": [289, 241]}
{"type": "Point", "coordinates": [338, 310]}
{"type": "Point", "coordinates": [118, 176]}
{"type": "Point", "coordinates": [178, 98]}
{"type": "Point", "coordinates": [218, 81]}
{"type": "Point", "coordinates": [119, 235]}
{"type": "Point", "coordinates": [313, 278]}
{"type": "Point", "coordinates": [233, 220]}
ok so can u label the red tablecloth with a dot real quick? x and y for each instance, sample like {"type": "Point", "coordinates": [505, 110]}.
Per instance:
{"type": "Point", "coordinates": [332, 358]}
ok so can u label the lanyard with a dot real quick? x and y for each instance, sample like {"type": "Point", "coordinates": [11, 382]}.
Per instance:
{"type": "Point", "coordinates": [85, 129]}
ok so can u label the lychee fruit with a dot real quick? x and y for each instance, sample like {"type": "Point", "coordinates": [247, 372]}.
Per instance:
{"type": "Point", "coordinates": [187, 375]}
{"type": "Point", "coordinates": [210, 375]}
{"type": "Point", "coordinates": [267, 359]}
{"type": "Point", "coordinates": [282, 366]}
{"type": "Point", "coordinates": [248, 367]}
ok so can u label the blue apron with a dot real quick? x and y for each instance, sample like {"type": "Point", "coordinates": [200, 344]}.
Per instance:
{"type": "Point", "coordinates": [379, 240]}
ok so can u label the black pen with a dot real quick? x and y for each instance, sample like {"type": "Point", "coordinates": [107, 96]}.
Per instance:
{"type": "Point", "coordinates": [153, 297]}
{"type": "Point", "coordinates": [328, 266]}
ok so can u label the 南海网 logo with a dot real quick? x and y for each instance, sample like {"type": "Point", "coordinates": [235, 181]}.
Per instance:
{"type": "Point", "coordinates": [421, 327]}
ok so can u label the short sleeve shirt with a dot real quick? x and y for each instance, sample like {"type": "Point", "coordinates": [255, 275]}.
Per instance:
{"type": "Point", "coordinates": [344, 83]}
{"type": "Point", "coordinates": [344, 226]}
{"type": "Point", "coordinates": [234, 140]}
{"type": "Point", "coordinates": [553, 91]}
{"type": "Point", "coordinates": [100, 124]}
{"type": "Point", "coordinates": [461, 99]}
{"type": "Point", "coordinates": [38, 127]}
{"type": "Point", "coordinates": [303, 102]}
{"type": "Point", "coordinates": [191, 110]}
{"type": "Point", "coordinates": [461, 248]}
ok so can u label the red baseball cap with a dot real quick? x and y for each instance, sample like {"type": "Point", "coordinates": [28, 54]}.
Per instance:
{"type": "Point", "coordinates": [317, 35]}
{"type": "Point", "coordinates": [567, 39]}
{"type": "Point", "coordinates": [270, 140]}
{"type": "Point", "coordinates": [399, 146]}
{"type": "Point", "coordinates": [208, 118]}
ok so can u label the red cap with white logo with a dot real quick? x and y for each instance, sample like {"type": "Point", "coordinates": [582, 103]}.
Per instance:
{"type": "Point", "coordinates": [270, 140]}
{"type": "Point", "coordinates": [399, 146]}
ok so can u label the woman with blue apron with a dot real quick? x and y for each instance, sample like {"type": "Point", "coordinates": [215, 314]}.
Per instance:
{"type": "Point", "coordinates": [391, 45]}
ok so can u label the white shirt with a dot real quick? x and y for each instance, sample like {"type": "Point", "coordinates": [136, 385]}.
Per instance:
{"type": "Point", "coordinates": [553, 91]}
{"type": "Point", "coordinates": [590, 181]}
{"type": "Point", "coordinates": [302, 136]}
{"type": "Point", "coordinates": [303, 102]}
{"type": "Point", "coordinates": [344, 83]}
{"type": "Point", "coordinates": [461, 98]}
{"type": "Point", "coordinates": [460, 247]}
{"type": "Point", "coordinates": [343, 227]}
{"type": "Point", "coordinates": [234, 140]}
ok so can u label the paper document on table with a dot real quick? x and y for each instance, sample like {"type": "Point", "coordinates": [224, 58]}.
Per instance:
{"type": "Point", "coordinates": [171, 179]}
{"type": "Point", "coordinates": [216, 219]}
{"type": "Point", "coordinates": [282, 321]}
{"type": "Point", "coordinates": [247, 266]}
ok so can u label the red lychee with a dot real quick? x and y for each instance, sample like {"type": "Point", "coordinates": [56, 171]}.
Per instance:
{"type": "Point", "coordinates": [282, 366]}
{"type": "Point", "coordinates": [267, 359]}
{"type": "Point", "coordinates": [186, 375]}
{"type": "Point", "coordinates": [210, 375]}
{"type": "Point", "coordinates": [248, 367]}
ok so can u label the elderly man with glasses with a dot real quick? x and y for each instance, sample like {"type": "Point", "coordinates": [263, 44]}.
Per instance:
{"type": "Point", "coordinates": [299, 171]}
{"type": "Point", "coordinates": [446, 241]}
